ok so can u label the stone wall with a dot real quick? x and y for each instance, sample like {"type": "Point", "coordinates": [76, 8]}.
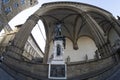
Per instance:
{"type": "Point", "coordinates": [89, 69]}
{"type": "Point", "coordinates": [26, 69]}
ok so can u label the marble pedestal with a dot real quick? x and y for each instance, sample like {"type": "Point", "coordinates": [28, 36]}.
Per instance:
{"type": "Point", "coordinates": [57, 71]}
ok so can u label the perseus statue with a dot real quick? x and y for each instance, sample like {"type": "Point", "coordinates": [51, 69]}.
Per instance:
{"type": "Point", "coordinates": [58, 33]}
{"type": "Point", "coordinates": [58, 29]}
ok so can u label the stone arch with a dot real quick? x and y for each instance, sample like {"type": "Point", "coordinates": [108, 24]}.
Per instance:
{"type": "Point", "coordinates": [90, 37]}
{"type": "Point", "coordinates": [99, 11]}
{"type": "Point", "coordinates": [102, 20]}
{"type": "Point", "coordinates": [52, 7]}
{"type": "Point", "coordinates": [40, 12]}
{"type": "Point", "coordinates": [26, 29]}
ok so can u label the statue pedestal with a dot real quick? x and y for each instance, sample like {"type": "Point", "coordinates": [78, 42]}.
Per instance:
{"type": "Point", "coordinates": [57, 71]}
{"type": "Point", "coordinates": [57, 66]}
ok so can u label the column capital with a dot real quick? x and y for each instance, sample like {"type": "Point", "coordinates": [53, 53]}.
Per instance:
{"type": "Point", "coordinates": [34, 18]}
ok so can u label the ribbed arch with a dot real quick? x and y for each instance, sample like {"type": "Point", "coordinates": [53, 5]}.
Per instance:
{"type": "Point", "coordinates": [52, 17]}
{"type": "Point", "coordinates": [101, 19]}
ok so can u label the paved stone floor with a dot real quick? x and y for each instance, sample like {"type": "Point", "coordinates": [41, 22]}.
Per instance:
{"type": "Point", "coordinates": [115, 76]}
{"type": "Point", "coordinates": [5, 76]}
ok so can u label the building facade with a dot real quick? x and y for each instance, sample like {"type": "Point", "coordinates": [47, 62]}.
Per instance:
{"type": "Point", "coordinates": [31, 52]}
{"type": "Point", "coordinates": [10, 8]}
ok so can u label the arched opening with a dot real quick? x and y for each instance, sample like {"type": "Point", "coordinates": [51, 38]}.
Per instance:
{"type": "Point", "coordinates": [39, 34]}
{"type": "Point", "coordinates": [36, 42]}
{"type": "Point", "coordinates": [85, 52]}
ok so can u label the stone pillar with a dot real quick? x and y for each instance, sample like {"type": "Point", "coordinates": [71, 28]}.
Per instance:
{"type": "Point", "coordinates": [47, 47]}
{"type": "Point", "coordinates": [97, 31]}
{"type": "Point", "coordinates": [116, 25]}
{"type": "Point", "coordinates": [22, 35]}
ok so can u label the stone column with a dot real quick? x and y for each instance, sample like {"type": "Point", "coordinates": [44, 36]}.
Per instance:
{"type": "Point", "coordinates": [22, 35]}
{"type": "Point", "coordinates": [47, 47]}
{"type": "Point", "coordinates": [116, 25]}
{"type": "Point", "coordinates": [97, 31]}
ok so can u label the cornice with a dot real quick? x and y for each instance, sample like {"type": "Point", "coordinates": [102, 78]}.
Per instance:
{"type": "Point", "coordinates": [73, 3]}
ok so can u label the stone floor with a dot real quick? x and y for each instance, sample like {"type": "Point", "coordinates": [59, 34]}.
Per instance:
{"type": "Point", "coordinates": [5, 76]}
{"type": "Point", "coordinates": [115, 76]}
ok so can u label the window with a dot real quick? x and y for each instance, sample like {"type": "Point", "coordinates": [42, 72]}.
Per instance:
{"type": "Point", "coordinates": [16, 5]}
{"type": "Point", "coordinates": [22, 1]}
{"type": "Point", "coordinates": [8, 10]}
{"type": "Point", "coordinates": [5, 1]}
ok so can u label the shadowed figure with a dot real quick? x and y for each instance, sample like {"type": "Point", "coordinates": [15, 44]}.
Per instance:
{"type": "Point", "coordinates": [118, 17]}
{"type": "Point", "coordinates": [58, 30]}
{"type": "Point", "coordinates": [58, 50]}
{"type": "Point", "coordinates": [58, 34]}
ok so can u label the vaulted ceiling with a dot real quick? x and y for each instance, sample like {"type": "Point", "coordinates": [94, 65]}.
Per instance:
{"type": "Point", "coordinates": [72, 22]}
